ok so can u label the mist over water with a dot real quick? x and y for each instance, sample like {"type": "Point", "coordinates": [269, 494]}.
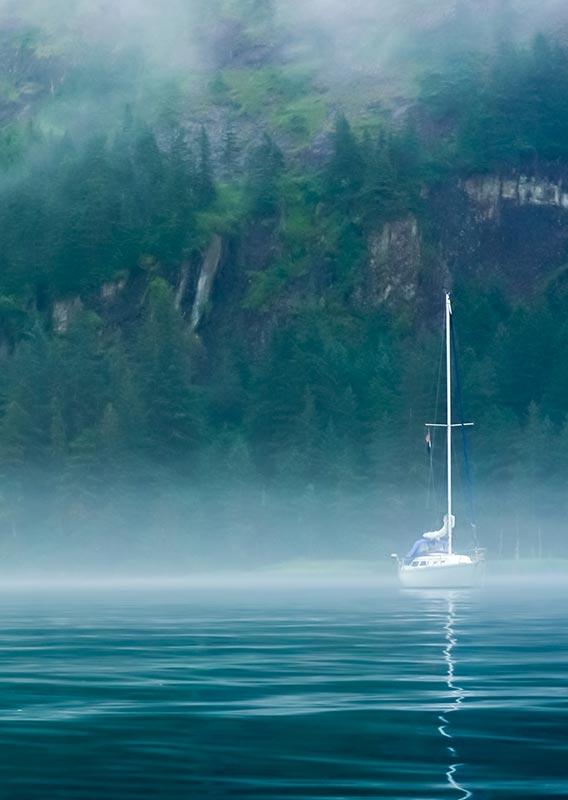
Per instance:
{"type": "Point", "coordinates": [196, 592]}
{"type": "Point", "coordinates": [304, 694]}
{"type": "Point", "coordinates": [202, 632]}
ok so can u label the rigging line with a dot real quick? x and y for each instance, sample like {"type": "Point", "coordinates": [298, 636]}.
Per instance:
{"type": "Point", "coordinates": [439, 381]}
{"type": "Point", "coordinates": [432, 477]}
{"type": "Point", "coordinates": [464, 438]}
{"type": "Point", "coordinates": [431, 481]}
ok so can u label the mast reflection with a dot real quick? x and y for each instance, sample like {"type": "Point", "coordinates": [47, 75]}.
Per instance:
{"type": "Point", "coordinates": [457, 695]}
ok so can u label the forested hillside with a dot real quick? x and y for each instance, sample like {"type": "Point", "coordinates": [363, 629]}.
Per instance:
{"type": "Point", "coordinates": [225, 232]}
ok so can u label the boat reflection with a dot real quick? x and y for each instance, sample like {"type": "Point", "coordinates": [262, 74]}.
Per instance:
{"type": "Point", "coordinates": [457, 696]}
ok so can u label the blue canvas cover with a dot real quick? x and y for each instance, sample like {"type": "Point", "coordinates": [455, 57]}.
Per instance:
{"type": "Point", "coordinates": [419, 548]}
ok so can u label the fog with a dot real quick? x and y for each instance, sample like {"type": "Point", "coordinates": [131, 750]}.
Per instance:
{"type": "Point", "coordinates": [186, 536]}
{"type": "Point", "coordinates": [297, 582]}
{"type": "Point", "coordinates": [142, 53]}
{"type": "Point", "coordinates": [164, 32]}
{"type": "Point", "coordinates": [158, 59]}
{"type": "Point", "coordinates": [180, 34]}
{"type": "Point", "coordinates": [151, 55]}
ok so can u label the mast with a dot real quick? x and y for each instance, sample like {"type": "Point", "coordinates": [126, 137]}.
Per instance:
{"type": "Point", "coordinates": [449, 416]}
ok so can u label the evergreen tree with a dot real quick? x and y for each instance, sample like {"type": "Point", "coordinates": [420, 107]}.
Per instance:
{"type": "Point", "coordinates": [346, 169]}
{"type": "Point", "coordinates": [149, 179]}
{"type": "Point", "coordinates": [206, 191]}
{"type": "Point", "coordinates": [264, 169]}
{"type": "Point", "coordinates": [230, 151]}
{"type": "Point", "coordinates": [162, 353]}
{"type": "Point", "coordinates": [179, 197]}
{"type": "Point", "coordinates": [379, 190]}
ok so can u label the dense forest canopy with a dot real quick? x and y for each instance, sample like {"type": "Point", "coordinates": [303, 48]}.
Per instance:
{"type": "Point", "coordinates": [283, 416]}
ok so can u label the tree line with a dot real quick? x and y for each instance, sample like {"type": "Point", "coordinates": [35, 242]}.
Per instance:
{"type": "Point", "coordinates": [116, 437]}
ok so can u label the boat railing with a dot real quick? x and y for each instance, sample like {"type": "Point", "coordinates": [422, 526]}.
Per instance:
{"type": "Point", "coordinates": [477, 553]}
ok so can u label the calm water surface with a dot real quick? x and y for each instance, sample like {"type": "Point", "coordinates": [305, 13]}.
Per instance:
{"type": "Point", "coordinates": [374, 693]}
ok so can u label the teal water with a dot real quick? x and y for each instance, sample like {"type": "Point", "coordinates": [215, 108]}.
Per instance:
{"type": "Point", "coordinates": [324, 694]}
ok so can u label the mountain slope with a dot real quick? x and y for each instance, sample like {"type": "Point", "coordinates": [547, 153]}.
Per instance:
{"type": "Point", "coordinates": [225, 232]}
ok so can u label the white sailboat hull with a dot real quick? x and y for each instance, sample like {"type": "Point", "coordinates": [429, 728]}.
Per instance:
{"type": "Point", "coordinates": [459, 572]}
{"type": "Point", "coordinates": [433, 563]}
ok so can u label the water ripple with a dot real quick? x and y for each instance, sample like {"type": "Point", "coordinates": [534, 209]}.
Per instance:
{"type": "Point", "coordinates": [400, 695]}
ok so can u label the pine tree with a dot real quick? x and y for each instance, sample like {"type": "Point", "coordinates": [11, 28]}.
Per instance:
{"type": "Point", "coordinates": [265, 167]}
{"type": "Point", "coordinates": [149, 187]}
{"type": "Point", "coordinates": [380, 187]}
{"type": "Point", "coordinates": [230, 151]}
{"type": "Point", "coordinates": [179, 197]}
{"type": "Point", "coordinates": [88, 243]}
{"type": "Point", "coordinates": [58, 434]}
{"type": "Point", "coordinates": [206, 191]}
{"type": "Point", "coordinates": [163, 363]}
{"type": "Point", "coordinates": [346, 169]}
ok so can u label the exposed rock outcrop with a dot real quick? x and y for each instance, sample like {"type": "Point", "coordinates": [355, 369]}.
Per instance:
{"type": "Point", "coordinates": [394, 263]}
{"type": "Point", "coordinates": [490, 192]}
{"type": "Point", "coordinates": [183, 283]}
{"type": "Point", "coordinates": [63, 313]}
{"type": "Point", "coordinates": [509, 231]}
{"type": "Point", "coordinates": [209, 269]}
{"type": "Point", "coordinates": [111, 291]}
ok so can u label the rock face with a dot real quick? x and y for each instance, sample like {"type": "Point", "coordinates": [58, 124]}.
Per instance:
{"type": "Point", "coordinates": [63, 313]}
{"type": "Point", "coordinates": [394, 263]}
{"type": "Point", "coordinates": [206, 280]}
{"type": "Point", "coordinates": [29, 76]}
{"type": "Point", "coordinates": [510, 231]}
{"type": "Point", "coordinates": [490, 193]}
{"type": "Point", "coordinates": [506, 231]}
{"type": "Point", "coordinates": [110, 292]}
{"type": "Point", "coordinates": [233, 46]}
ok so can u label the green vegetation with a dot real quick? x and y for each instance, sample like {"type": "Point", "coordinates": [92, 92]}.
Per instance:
{"type": "Point", "coordinates": [510, 112]}
{"type": "Point", "coordinates": [298, 405]}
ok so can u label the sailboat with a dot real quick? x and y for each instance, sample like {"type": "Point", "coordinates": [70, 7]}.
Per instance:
{"type": "Point", "coordinates": [433, 561]}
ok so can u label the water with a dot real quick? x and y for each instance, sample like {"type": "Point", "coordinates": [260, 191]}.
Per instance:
{"type": "Point", "coordinates": [329, 694]}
